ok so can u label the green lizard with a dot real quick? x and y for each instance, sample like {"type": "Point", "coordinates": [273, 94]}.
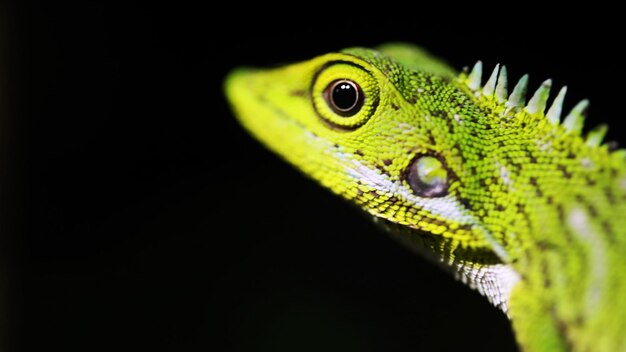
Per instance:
{"type": "Point", "coordinates": [512, 200]}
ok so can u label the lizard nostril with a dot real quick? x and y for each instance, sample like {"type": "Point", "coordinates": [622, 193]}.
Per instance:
{"type": "Point", "coordinates": [428, 177]}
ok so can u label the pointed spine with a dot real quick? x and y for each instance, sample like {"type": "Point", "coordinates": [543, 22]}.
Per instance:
{"type": "Point", "coordinates": [490, 86]}
{"type": "Point", "coordinates": [554, 113]}
{"type": "Point", "coordinates": [573, 122]}
{"type": "Point", "coordinates": [502, 87]}
{"type": "Point", "coordinates": [596, 135]}
{"type": "Point", "coordinates": [475, 77]}
{"type": "Point", "coordinates": [517, 99]}
{"type": "Point", "coordinates": [537, 103]}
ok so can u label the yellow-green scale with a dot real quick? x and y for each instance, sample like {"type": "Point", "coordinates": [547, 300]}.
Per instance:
{"type": "Point", "coordinates": [528, 204]}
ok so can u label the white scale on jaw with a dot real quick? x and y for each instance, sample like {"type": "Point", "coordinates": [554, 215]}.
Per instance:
{"type": "Point", "coordinates": [445, 207]}
{"type": "Point", "coordinates": [495, 281]}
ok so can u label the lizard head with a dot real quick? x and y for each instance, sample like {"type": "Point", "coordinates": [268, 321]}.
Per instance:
{"type": "Point", "coordinates": [413, 143]}
{"type": "Point", "coordinates": [372, 126]}
{"type": "Point", "coordinates": [501, 191]}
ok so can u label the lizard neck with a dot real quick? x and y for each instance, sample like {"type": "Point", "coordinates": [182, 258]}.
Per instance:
{"type": "Point", "coordinates": [561, 216]}
{"type": "Point", "coordinates": [558, 208]}
{"type": "Point", "coordinates": [571, 258]}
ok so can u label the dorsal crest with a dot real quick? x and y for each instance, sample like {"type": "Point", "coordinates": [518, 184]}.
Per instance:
{"type": "Point", "coordinates": [494, 93]}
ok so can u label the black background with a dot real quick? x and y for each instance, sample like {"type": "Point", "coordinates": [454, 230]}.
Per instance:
{"type": "Point", "coordinates": [138, 215]}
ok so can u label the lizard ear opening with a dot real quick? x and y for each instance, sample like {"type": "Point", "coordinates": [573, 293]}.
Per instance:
{"type": "Point", "coordinates": [345, 95]}
{"type": "Point", "coordinates": [428, 177]}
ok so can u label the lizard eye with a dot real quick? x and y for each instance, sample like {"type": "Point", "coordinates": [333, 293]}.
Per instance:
{"type": "Point", "coordinates": [344, 97]}
{"type": "Point", "coordinates": [428, 177]}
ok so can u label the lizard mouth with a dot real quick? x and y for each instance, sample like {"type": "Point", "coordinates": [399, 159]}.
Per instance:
{"type": "Point", "coordinates": [275, 118]}
{"type": "Point", "coordinates": [248, 92]}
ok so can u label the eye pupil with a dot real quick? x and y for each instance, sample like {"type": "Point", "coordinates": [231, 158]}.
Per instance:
{"type": "Point", "coordinates": [344, 97]}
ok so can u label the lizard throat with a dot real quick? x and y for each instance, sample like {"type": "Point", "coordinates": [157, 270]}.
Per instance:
{"type": "Point", "coordinates": [479, 269]}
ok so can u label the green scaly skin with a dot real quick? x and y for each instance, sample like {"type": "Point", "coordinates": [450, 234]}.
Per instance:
{"type": "Point", "coordinates": [532, 214]}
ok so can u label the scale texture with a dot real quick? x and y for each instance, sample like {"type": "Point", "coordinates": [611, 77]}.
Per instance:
{"type": "Point", "coordinates": [502, 189]}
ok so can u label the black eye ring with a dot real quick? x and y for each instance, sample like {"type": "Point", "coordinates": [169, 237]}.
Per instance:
{"type": "Point", "coordinates": [344, 97]}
